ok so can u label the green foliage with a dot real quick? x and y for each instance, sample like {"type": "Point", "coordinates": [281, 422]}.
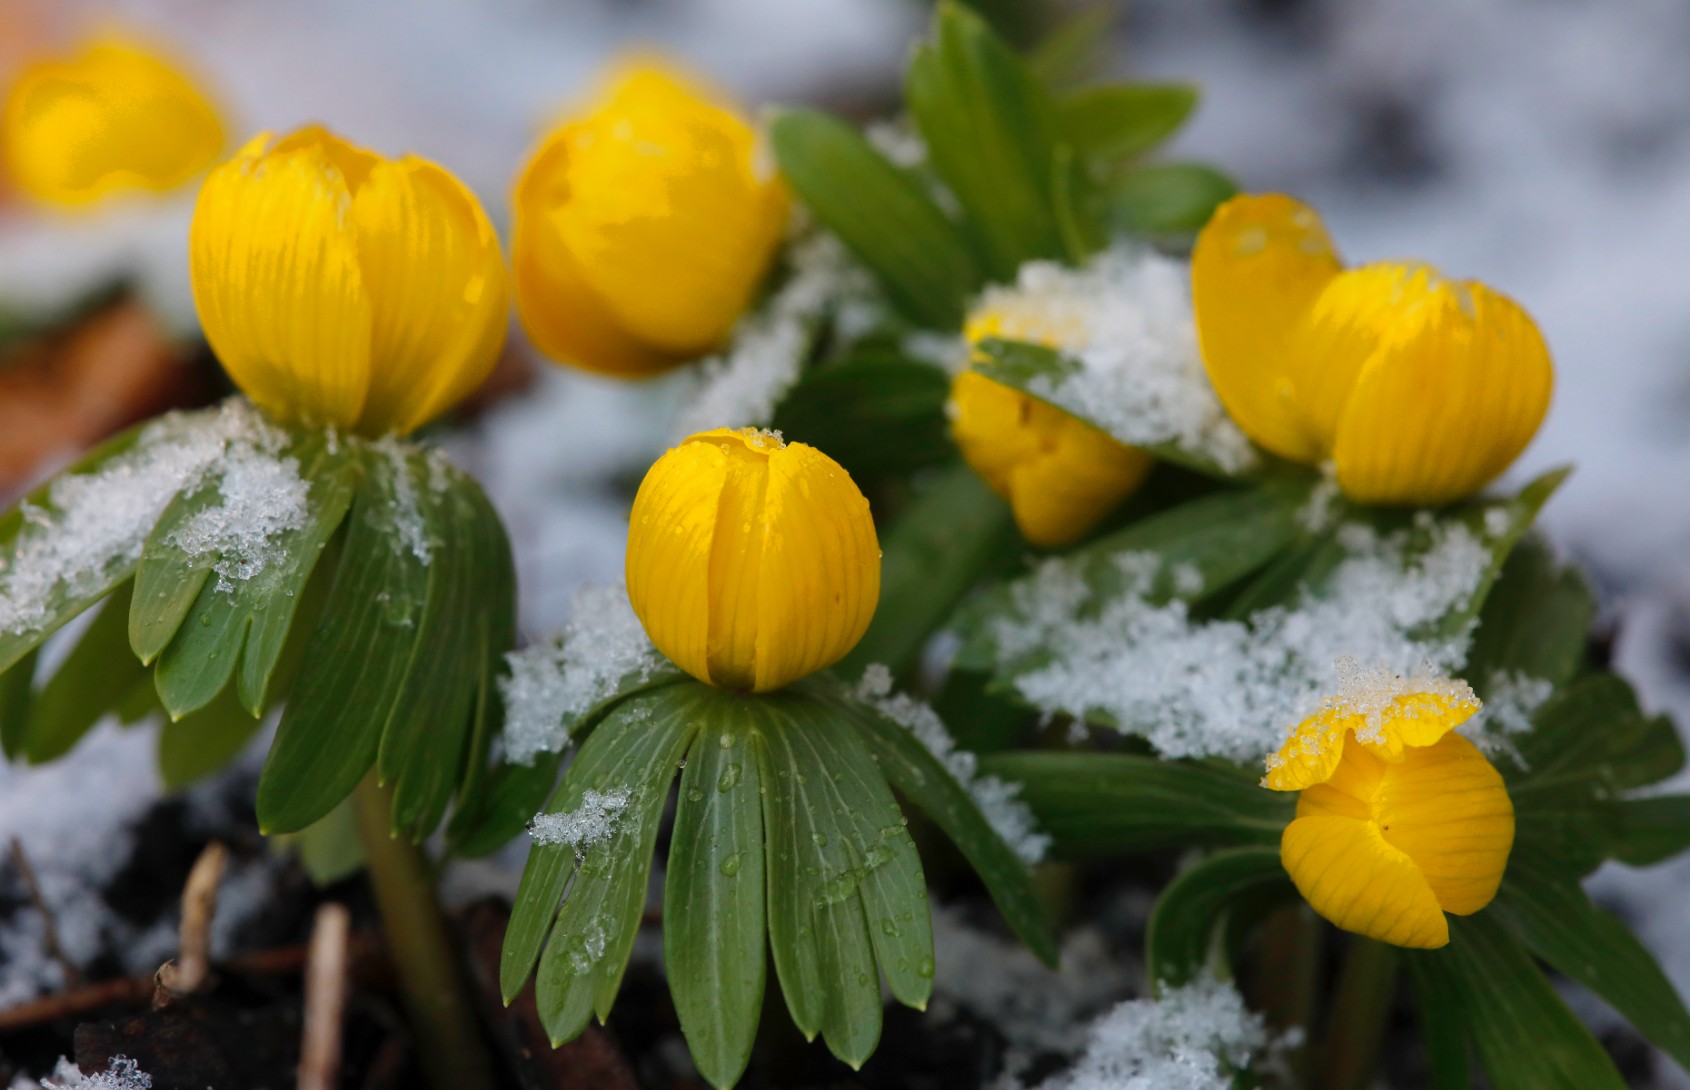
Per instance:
{"type": "Point", "coordinates": [1187, 924]}
{"type": "Point", "coordinates": [874, 412]}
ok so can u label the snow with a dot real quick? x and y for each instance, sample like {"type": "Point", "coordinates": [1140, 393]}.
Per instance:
{"type": "Point", "coordinates": [95, 522]}
{"type": "Point", "coordinates": [122, 1074]}
{"type": "Point", "coordinates": [1511, 699]}
{"type": "Point", "coordinates": [409, 528]}
{"type": "Point", "coordinates": [1372, 692]}
{"type": "Point", "coordinates": [262, 497]}
{"type": "Point", "coordinates": [1126, 318]}
{"type": "Point", "coordinates": [588, 825]}
{"type": "Point", "coordinates": [1198, 688]}
{"type": "Point", "coordinates": [552, 684]}
{"type": "Point", "coordinates": [999, 800]}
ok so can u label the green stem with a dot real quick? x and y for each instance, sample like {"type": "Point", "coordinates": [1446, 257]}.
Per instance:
{"type": "Point", "coordinates": [451, 1050]}
{"type": "Point", "coordinates": [1360, 1009]}
{"type": "Point", "coordinates": [1289, 945]}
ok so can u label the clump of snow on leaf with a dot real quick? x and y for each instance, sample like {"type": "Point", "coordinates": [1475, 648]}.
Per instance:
{"type": "Point", "coordinates": [1195, 1037]}
{"type": "Point", "coordinates": [1232, 688]}
{"type": "Point", "coordinates": [999, 800]}
{"type": "Point", "coordinates": [94, 524]}
{"type": "Point", "coordinates": [552, 684]}
{"type": "Point", "coordinates": [405, 509]}
{"type": "Point", "coordinates": [1126, 319]}
{"type": "Point", "coordinates": [589, 824]}
{"type": "Point", "coordinates": [1511, 699]}
{"type": "Point", "coordinates": [262, 496]}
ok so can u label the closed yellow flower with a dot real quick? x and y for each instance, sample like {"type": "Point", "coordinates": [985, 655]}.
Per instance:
{"type": "Point", "coordinates": [339, 287]}
{"type": "Point", "coordinates": [643, 227]}
{"type": "Point", "coordinates": [1060, 474]}
{"type": "Point", "coordinates": [1418, 389]}
{"type": "Point", "coordinates": [112, 117]}
{"type": "Point", "coordinates": [751, 561]}
{"type": "Point", "coordinates": [1399, 820]}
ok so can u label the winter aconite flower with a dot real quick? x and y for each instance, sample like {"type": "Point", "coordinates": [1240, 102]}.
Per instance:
{"type": "Point", "coordinates": [1418, 389]}
{"type": "Point", "coordinates": [1400, 820]}
{"type": "Point", "coordinates": [114, 116]}
{"type": "Point", "coordinates": [339, 287]}
{"type": "Point", "coordinates": [1060, 474]}
{"type": "Point", "coordinates": [751, 561]}
{"type": "Point", "coordinates": [643, 227]}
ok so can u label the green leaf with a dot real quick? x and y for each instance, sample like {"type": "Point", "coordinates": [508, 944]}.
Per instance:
{"type": "Point", "coordinates": [201, 659]}
{"type": "Point", "coordinates": [1074, 49]}
{"type": "Point", "coordinates": [1558, 923]}
{"type": "Point", "coordinates": [1111, 804]}
{"type": "Point", "coordinates": [1443, 1033]}
{"type": "Point", "coordinates": [1651, 830]}
{"type": "Point", "coordinates": [988, 128]}
{"type": "Point", "coordinates": [1535, 622]}
{"type": "Point", "coordinates": [17, 694]}
{"type": "Point", "coordinates": [881, 213]}
{"type": "Point", "coordinates": [1500, 524]}
{"type": "Point", "coordinates": [638, 748]}
{"type": "Point", "coordinates": [168, 580]}
{"type": "Point", "coordinates": [923, 780]}
{"type": "Point", "coordinates": [1526, 1037]}
{"type": "Point", "coordinates": [1167, 198]}
{"type": "Point", "coordinates": [1184, 924]}
{"type": "Point", "coordinates": [875, 412]}
{"type": "Point", "coordinates": [198, 744]}
{"type": "Point", "coordinates": [95, 677]}
{"type": "Point", "coordinates": [932, 556]}
{"type": "Point", "coordinates": [330, 849]}
{"type": "Point", "coordinates": [355, 663]}
{"type": "Point", "coordinates": [1120, 121]}
{"type": "Point", "coordinates": [713, 898]}
{"type": "Point", "coordinates": [839, 859]}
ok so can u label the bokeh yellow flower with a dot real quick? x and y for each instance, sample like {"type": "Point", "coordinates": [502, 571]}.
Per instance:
{"type": "Point", "coordinates": [643, 227]}
{"type": "Point", "coordinates": [751, 561]}
{"type": "Point", "coordinates": [339, 287]}
{"type": "Point", "coordinates": [1418, 389]}
{"type": "Point", "coordinates": [114, 116]}
{"type": "Point", "coordinates": [1399, 820]}
{"type": "Point", "coordinates": [1060, 474]}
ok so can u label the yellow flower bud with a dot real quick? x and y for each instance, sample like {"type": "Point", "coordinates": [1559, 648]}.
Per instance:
{"type": "Point", "coordinates": [1399, 820]}
{"type": "Point", "coordinates": [751, 561]}
{"type": "Point", "coordinates": [339, 287]}
{"type": "Point", "coordinates": [1060, 474]}
{"type": "Point", "coordinates": [113, 116]}
{"type": "Point", "coordinates": [1418, 389]}
{"type": "Point", "coordinates": [643, 227]}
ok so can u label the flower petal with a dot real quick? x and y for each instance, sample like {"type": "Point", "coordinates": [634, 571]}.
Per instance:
{"type": "Point", "coordinates": [1312, 752]}
{"type": "Point", "coordinates": [1454, 392]}
{"type": "Point", "coordinates": [1349, 874]}
{"type": "Point", "coordinates": [1257, 267]}
{"type": "Point", "coordinates": [437, 286]}
{"type": "Point", "coordinates": [736, 564]}
{"type": "Point", "coordinates": [670, 537]}
{"type": "Point", "coordinates": [1419, 719]}
{"type": "Point", "coordinates": [1446, 808]}
{"type": "Point", "coordinates": [276, 279]}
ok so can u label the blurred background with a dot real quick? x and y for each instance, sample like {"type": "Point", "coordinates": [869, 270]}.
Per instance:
{"type": "Point", "coordinates": [1540, 145]}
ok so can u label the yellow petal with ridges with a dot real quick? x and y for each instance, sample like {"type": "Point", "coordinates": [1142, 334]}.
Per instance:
{"type": "Point", "coordinates": [736, 564]}
{"type": "Point", "coordinates": [1350, 789]}
{"type": "Point", "coordinates": [996, 427]}
{"type": "Point", "coordinates": [1454, 392]}
{"type": "Point", "coordinates": [277, 282]}
{"type": "Point", "coordinates": [1446, 808]}
{"type": "Point", "coordinates": [115, 116]}
{"type": "Point", "coordinates": [1311, 753]}
{"type": "Point", "coordinates": [671, 536]}
{"type": "Point", "coordinates": [1350, 875]}
{"type": "Point", "coordinates": [437, 285]}
{"type": "Point", "coordinates": [1418, 719]}
{"type": "Point", "coordinates": [1257, 267]}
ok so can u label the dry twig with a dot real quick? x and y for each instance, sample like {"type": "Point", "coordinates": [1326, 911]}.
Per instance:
{"type": "Point", "coordinates": [325, 999]}
{"type": "Point", "coordinates": [49, 922]}
{"type": "Point", "coordinates": [192, 968]}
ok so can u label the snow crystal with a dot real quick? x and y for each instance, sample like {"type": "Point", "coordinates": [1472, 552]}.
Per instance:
{"type": "Point", "coordinates": [122, 1074]}
{"type": "Point", "coordinates": [551, 684]}
{"type": "Point", "coordinates": [999, 800]}
{"type": "Point", "coordinates": [744, 384]}
{"type": "Point", "coordinates": [1194, 1037]}
{"type": "Point", "coordinates": [1511, 699]}
{"type": "Point", "coordinates": [1371, 691]}
{"type": "Point", "coordinates": [1127, 320]}
{"type": "Point", "coordinates": [408, 523]}
{"type": "Point", "coordinates": [898, 141]}
{"type": "Point", "coordinates": [1232, 688]}
{"type": "Point", "coordinates": [590, 824]}
{"type": "Point", "coordinates": [94, 522]}
{"type": "Point", "coordinates": [263, 497]}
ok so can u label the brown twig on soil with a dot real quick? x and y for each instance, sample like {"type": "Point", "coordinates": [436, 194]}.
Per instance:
{"type": "Point", "coordinates": [49, 922]}
{"type": "Point", "coordinates": [325, 999]}
{"type": "Point", "coordinates": [192, 968]}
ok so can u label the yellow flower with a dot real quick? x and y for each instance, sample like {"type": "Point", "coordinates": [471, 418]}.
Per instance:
{"type": "Point", "coordinates": [1059, 474]}
{"type": "Point", "coordinates": [1419, 389]}
{"type": "Point", "coordinates": [643, 227]}
{"type": "Point", "coordinates": [113, 116]}
{"type": "Point", "coordinates": [1399, 821]}
{"type": "Point", "coordinates": [751, 561]}
{"type": "Point", "coordinates": [340, 287]}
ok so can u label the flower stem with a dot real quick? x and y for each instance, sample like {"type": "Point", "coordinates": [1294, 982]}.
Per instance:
{"type": "Point", "coordinates": [1360, 1008]}
{"type": "Point", "coordinates": [451, 1050]}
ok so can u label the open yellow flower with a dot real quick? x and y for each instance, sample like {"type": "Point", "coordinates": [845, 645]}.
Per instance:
{"type": "Point", "coordinates": [751, 561]}
{"type": "Point", "coordinates": [643, 227]}
{"type": "Point", "coordinates": [114, 116]}
{"type": "Point", "coordinates": [1060, 474]}
{"type": "Point", "coordinates": [339, 287]}
{"type": "Point", "coordinates": [1400, 820]}
{"type": "Point", "coordinates": [1418, 389]}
